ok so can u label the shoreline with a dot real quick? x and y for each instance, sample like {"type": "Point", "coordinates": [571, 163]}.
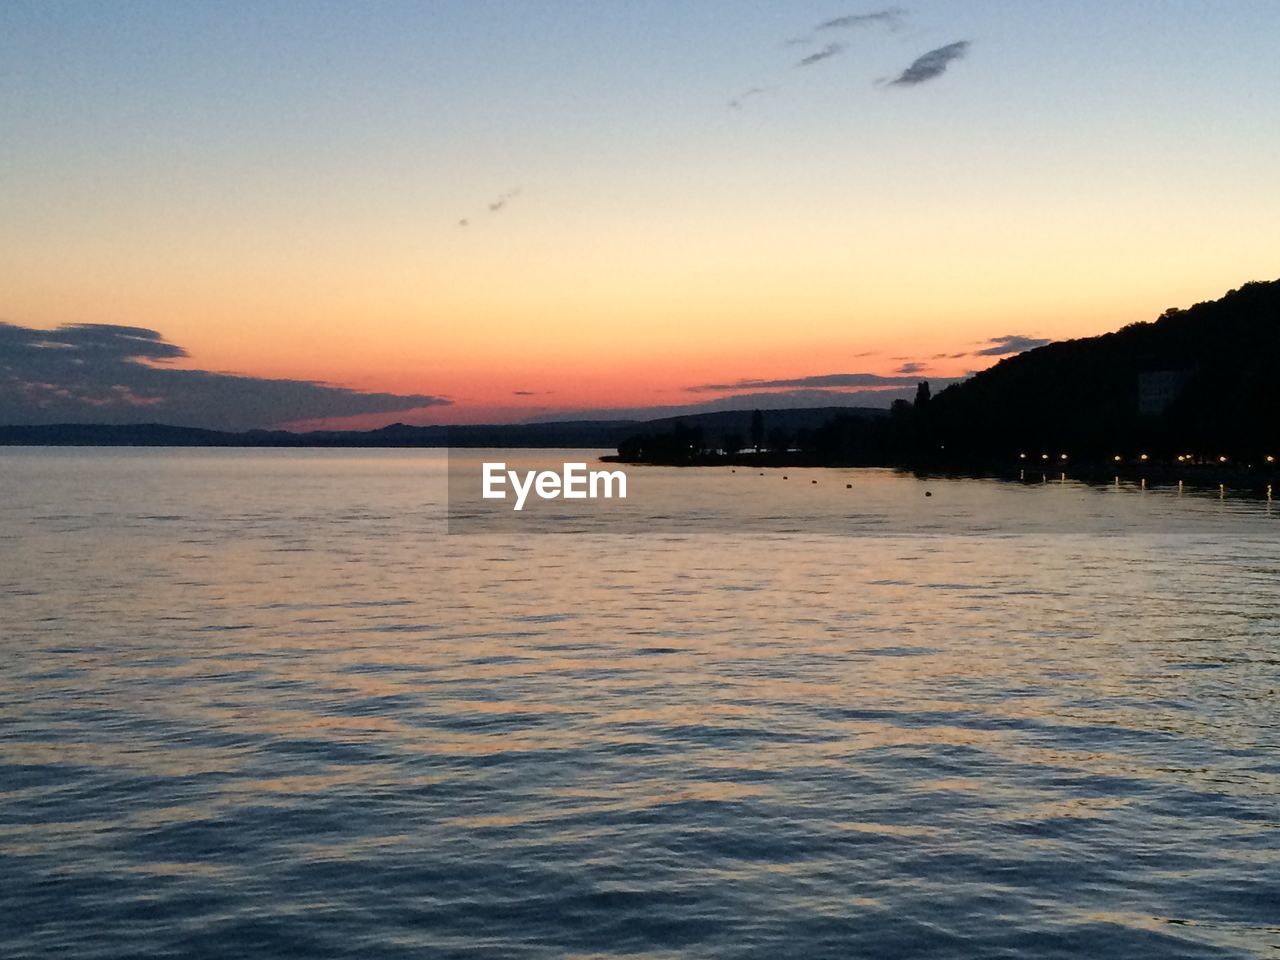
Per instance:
{"type": "Point", "coordinates": [1259, 480]}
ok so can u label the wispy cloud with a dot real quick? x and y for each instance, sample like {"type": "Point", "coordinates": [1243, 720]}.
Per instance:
{"type": "Point", "coordinates": [924, 68]}
{"type": "Point", "coordinates": [826, 380]}
{"type": "Point", "coordinates": [100, 373]}
{"type": "Point", "coordinates": [1003, 346]}
{"type": "Point", "coordinates": [737, 102]}
{"type": "Point", "coordinates": [1009, 344]}
{"type": "Point", "coordinates": [830, 50]}
{"type": "Point", "coordinates": [891, 17]}
{"type": "Point", "coordinates": [503, 200]}
{"type": "Point", "coordinates": [494, 206]}
{"type": "Point", "coordinates": [911, 368]}
{"type": "Point", "coordinates": [931, 65]}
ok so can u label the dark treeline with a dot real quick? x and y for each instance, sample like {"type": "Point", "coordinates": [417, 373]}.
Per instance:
{"type": "Point", "coordinates": [1199, 383]}
{"type": "Point", "coordinates": [854, 439]}
{"type": "Point", "coordinates": [1084, 396]}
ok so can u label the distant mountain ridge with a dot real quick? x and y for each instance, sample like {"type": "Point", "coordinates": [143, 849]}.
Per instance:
{"type": "Point", "coordinates": [605, 434]}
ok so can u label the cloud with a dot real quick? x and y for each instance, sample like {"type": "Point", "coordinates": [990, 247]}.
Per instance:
{"type": "Point", "coordinates": [912, 368]}
{"type": "Point", "coordinates": [100, 373]}
{"type": "Point", "coordinates": [1009, 344]}
{"type": "Point", "coordinates": [736, 102]}
{"type": "Point", "coordinates": [826, 380]}
{"type": "Point", "coordinates": [494, 206]}
{"type": "Point", "coordinates": [503, 200]}
{"type": "Point", "coordinates": [786, 399]}
{"type": "Point", "coordinates": [891, 18]}
{"type": "Point", "coordinates": [1004, 346]}
{"type": "Point", "coordinates": [830, 50]}
{"type": "Point", "coordinates": [933, 64]}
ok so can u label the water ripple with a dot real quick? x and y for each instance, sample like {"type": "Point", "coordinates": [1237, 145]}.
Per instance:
{"type": "Point", "coordinates": [397, 743]}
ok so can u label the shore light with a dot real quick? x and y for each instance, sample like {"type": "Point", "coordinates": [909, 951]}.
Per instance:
{"type": "Point", "coordinates": [1222, 459]}
{"type": "Point", "coordinates": [1063, 457]}
{"type": "Point", "coordinates": [1116, 458]}
{"type": "Point", "coordinates": [1022, 456]}
{"type": "Point", "coordinates": [1181, 458]}
{"type": "Point", "coordinates": [1271, 459]}
{"type": "Point", "coordinates": [1143, 457]}
{"type": "Point", "coordinates": [1044, 456]}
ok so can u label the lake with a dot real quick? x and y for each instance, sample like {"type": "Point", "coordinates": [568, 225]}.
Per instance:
{"type": "Point", "coordinates": [306, 703]}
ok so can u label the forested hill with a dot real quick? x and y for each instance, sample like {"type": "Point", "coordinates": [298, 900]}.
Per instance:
{"type": "Point", "coordinates": [1201, 380]}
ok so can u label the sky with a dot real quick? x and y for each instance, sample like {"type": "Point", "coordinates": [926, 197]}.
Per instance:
{"type": "Point", "coordinates": [315, 213]}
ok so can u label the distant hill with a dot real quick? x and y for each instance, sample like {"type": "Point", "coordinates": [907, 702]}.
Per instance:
{"type": "Point", "coordinates": [1200, 380]}
{"type": "Point", "coordinates": [605, 434]}
{"type": "Point", "coordinates": [108, 435]}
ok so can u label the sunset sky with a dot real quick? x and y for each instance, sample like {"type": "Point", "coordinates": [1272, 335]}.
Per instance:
{"type": "Point", "coordinates": [537, 208]}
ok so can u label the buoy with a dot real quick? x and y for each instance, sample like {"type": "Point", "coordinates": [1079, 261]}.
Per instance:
{"type": "Point", "coordinates": [928, 493]}
{"type": "Point", "coordinates": [784, 477]}
{"type": "Point", "coordinates": [813, 481]}
{"type": "Point", "coordinates": [848, 486]}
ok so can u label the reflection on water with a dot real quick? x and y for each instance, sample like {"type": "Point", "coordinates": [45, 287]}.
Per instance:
{"type": "Point", "coordinates": [846, 502]}
{"type": "Point", "coordinates": [258, 703]}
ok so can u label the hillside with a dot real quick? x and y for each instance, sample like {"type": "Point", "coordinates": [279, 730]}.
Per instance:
{"type": "Point", "coordinates": [1198, 380]}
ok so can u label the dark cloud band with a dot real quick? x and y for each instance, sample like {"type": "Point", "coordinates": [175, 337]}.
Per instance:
{"type": "Point", "coordinates": [826, 380]}
{"type": "Point", "coordinates": [99, 373]}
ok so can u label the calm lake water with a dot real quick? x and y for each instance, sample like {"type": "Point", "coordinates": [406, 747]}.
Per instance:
{"type": "Point", "coordinates": [260, 703]}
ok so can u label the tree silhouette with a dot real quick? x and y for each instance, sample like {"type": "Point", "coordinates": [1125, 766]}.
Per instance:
{"type": "Point", "coordinates": [922, 395]}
